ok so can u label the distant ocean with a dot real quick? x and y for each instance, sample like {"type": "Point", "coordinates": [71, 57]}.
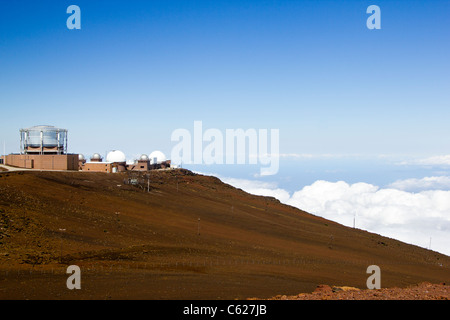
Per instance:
{"type": "Point", "coordinates": [294, 174]}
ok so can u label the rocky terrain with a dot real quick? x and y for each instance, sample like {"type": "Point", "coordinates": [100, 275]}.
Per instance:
{"type": "Point", "coordinates": [422, 291]}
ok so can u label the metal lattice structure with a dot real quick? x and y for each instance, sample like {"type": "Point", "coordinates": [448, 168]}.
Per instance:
{"type": "Point", "coordinates": [43, 140]}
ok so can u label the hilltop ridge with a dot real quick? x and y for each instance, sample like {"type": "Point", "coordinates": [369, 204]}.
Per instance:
{"type": "Point", "coordinates": [179, 235]}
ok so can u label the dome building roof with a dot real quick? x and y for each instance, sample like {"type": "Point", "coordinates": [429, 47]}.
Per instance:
{"type": "Point", "coordinates": [116, 156]}
{"type": "Point", "coordinates": [96, 156]}
{"type": "Point", "coordinates": [156, 157]}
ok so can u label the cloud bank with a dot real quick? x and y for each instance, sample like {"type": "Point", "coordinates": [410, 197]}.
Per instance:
{"type": "Point", "coordinates": [441, 160]}
{"type": "Point", "coordinates": [412, 211]}
{"type": "Point", "coordinates": [427, 183]}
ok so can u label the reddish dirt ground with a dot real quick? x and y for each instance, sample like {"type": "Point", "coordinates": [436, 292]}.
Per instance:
{"type": "Point", "coordinates": [422, 291]}
{"type": "Point", "coordinates": [188, 237]}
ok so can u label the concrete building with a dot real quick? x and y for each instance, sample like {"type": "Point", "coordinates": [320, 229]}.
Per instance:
{"type": "Point", "coordinates": [95, 164]}
{"type": "Point", "coordinates": [143, 164]}
{"type": "Point", "coordinates": [98, 167]}
{"type": "Point", "coordinates": [43, 162]}
{"type": "Point", "coordinates": [115, 162]}
{"type": "Point", "coordinates": [118, 159]}
{"type": "Point", "coordinates": [43, 148]}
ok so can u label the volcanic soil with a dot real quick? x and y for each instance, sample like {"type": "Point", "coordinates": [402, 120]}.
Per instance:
{"type": "Point", "coordinates": [174, 234]}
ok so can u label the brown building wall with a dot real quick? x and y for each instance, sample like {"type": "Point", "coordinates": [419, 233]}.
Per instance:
{"type": "Point", "coordinates": [140, 165]}
{"type": "Point", "coordinates": [43, 162]}
{"type": "Point", "coordinates": [81, 164]}
{"type": "Point", "coordinates": [97, 167]}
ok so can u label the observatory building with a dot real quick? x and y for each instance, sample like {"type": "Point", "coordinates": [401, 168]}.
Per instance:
{"type": "Point", "coordinates": [142, 164]}
{"type": "Point", "coordinates": [44, 148]}
{"type": "Point", "coordinates": [158, 160]}
{"type": "Point", "coordinates": [116, 162]}
{"type": "Point", "coordinates": [95, 164]}
{"type": "Point", "coordinates": [43, 140]}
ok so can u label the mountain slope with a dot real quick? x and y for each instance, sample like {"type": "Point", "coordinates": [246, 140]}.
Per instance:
{"type": "Point", "coordinates": [178, 235]}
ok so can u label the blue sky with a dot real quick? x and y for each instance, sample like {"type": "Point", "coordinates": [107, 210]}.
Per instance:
{"type": "Point", "coordinates": [350, 103]}
{"type": "Point", "coordinates": [135, 72]}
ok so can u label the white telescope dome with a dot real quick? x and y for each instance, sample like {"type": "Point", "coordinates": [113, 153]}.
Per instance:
{"type": "Point", "coordinates": [116, 156]}
{"type": "Point", "coordinates": [81, 157]}
{"type": "Point", "coordinates": [144, 157]}
{"type": "Point", "coordinates": [157, 157]}
{"type": "Point", "coordinates": [96, 156]}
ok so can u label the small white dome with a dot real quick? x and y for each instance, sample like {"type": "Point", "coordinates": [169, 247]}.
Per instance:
{"type": "Point", "coordinates": [157, 157]}
{"type": "Point", "coordinates": [96, 156]}
{"type": "Point", "coordinates": [81, 157]}
{"type": "Point", "coordinates": [116, 156]}
{"type": "Point", "coordinates": [144, 157]}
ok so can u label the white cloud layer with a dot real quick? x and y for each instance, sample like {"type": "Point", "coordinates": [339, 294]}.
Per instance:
{"type": "Point", "coordinates": [427, 183]}
{"type": "Point", "coordinates": [442, 160]}
{"type": "Point", "coordinates": [395, 212]}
